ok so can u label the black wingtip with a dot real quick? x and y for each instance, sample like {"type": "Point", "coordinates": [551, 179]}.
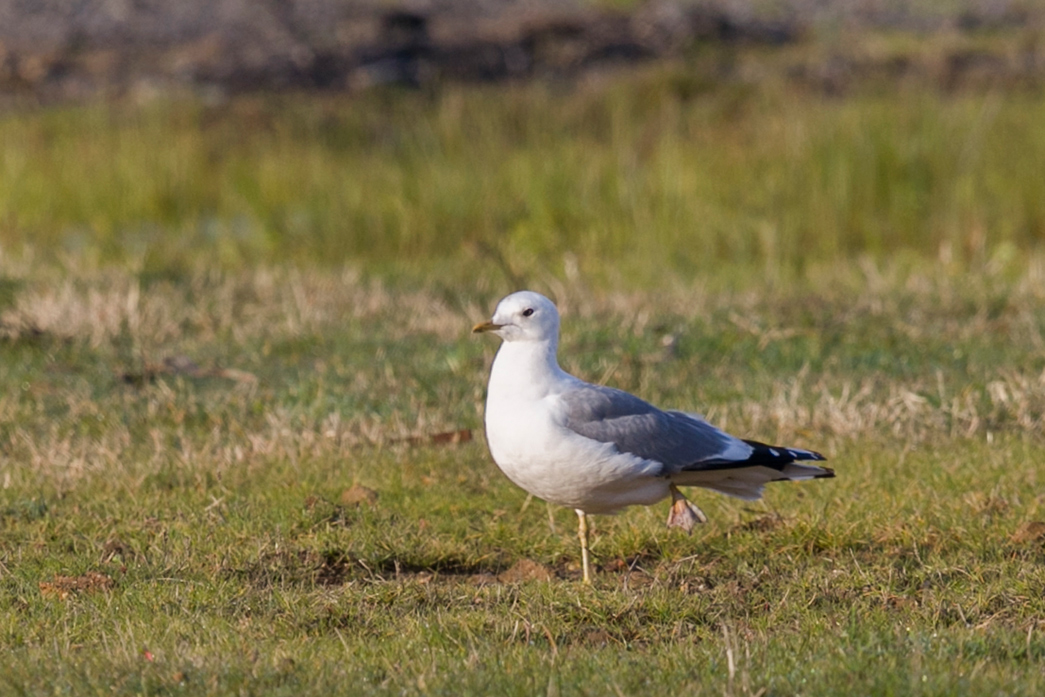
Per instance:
{"type": "Point", "coordinates": [780, 455]}
{"type": "Point", "coordinates": [771, 456]}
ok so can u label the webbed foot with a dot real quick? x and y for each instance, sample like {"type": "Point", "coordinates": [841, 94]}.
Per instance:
{"type": "Point", "coordinates": [684, 513]}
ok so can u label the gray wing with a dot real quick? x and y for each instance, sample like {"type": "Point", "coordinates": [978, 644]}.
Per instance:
{"type": "Point", "coordinates": [679, 441]}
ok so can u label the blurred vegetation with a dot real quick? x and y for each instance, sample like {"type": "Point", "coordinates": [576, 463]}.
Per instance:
{"type": "Point", "coordinates": [659, 171]}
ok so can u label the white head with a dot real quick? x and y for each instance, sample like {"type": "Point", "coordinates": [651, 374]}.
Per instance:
{"type": "Point", "coordinates": [523, 316]}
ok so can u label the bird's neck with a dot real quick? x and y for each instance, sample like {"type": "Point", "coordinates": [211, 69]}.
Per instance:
{"type": "Point", "coordinates": [525, 369]}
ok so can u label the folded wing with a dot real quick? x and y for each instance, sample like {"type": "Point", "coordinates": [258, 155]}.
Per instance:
{"type": "Point", "coordinates": [691, 450]}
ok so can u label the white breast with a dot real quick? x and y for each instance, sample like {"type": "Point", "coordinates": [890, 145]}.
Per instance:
{"type": "Point", "coordinates": [531, 444]}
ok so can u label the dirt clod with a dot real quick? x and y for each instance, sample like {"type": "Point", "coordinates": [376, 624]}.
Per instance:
{"type": "Point", "coordinates": [526, 570]}
{"type": "Point", "coordinates": [357, 494]}
{"type": "Point", "coordinates": [63, 586]}
{"type": "Point", "coordinates": [1031, 531]}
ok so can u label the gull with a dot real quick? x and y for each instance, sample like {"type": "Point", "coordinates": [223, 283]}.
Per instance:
{"type": "Point", "coordinates": [597, 449]}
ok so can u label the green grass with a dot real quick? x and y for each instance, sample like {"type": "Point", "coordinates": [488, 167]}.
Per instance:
{"type": "Point", "coordinates": [663, 170]}
{"type": "Point", "coordinates": [215, 507]}
{"type": "Point", "coordinates": [221, 326]}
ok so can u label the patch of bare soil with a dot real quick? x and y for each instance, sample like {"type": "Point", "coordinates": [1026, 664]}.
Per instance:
{"type": "Point", "coordinates": [51, 50]}
{"type": "Point", "coordinates": [61, 587]}
{"type": "Point", "coordinates": [526, 570]}
{"type": "Point", "coordinates": [1031, 531]}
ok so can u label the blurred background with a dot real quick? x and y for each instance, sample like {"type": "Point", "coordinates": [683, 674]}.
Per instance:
{"type": "Point", "coordinates": [618, 142]}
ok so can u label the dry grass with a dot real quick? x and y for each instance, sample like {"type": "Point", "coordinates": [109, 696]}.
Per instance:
{"type": "Point", "coordinates": [112, 313]}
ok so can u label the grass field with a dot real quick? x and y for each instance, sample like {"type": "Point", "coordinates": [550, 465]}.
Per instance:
{"type": "Point", "coordinates": [662, 170]}
{"type": "Point", "coordinates": [240, 409]}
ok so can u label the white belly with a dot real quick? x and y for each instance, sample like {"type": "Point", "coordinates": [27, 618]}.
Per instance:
{"type": "Point", "coordinates": [531, 444]}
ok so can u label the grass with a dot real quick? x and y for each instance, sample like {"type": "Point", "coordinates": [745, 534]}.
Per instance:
{"type": "Point", "coordinates": [276, 531]}
{"type": "Point", "coordinates": [237, 389]}
{"type": "Point", "coordinates": [666, 169]}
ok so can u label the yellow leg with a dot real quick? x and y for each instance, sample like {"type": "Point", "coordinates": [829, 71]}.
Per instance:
{"type": "Point", "coordinates": [582, 532]}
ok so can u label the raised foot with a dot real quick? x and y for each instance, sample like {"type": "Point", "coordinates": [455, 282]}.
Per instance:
{"type": "Point", "coordinates": [684, 513]}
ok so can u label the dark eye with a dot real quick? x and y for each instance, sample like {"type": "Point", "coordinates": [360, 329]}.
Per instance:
{"type": "Point", "coordinates": [527, 312]}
